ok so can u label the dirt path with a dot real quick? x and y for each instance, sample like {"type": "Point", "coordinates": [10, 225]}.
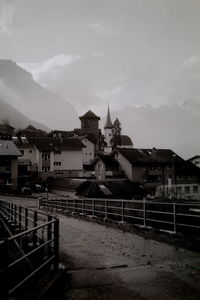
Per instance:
{"type": "Point", "coordinates": [106, 263]}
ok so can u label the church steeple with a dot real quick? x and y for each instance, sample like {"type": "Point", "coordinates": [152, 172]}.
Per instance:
{"type": "Point", "coordinates": [108, 120]}
{"type": "Point", "coordinates": [108, 129]}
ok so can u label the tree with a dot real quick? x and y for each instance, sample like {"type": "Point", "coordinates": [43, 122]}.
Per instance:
{"type": "Point", "coordinates": [117, 127]}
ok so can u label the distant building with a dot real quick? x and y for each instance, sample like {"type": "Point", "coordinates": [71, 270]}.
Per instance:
{"type": "Point", "coordinates": [9, 154]}
{"type": "Point", "coordinates": [106, 166]}
{"type": "Point", "coordinates": [161, 171]}
{"type": "Point", "coordinates": [113, 138]}
{"type": "Point", "coordinates": [90, 124]}
{"type": "Point", "coordinates": [6, 131]}
{"type": "Point", "coordinates": [112, 189]}
{"type": "Point", "coordinates": [108, 132]}
{"type": "Point", "coordinates": [51, 156]}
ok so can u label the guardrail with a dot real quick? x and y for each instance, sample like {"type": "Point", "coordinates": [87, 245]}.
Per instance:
{"type": "Point", "coordinates": [31, 245]}
{"type": "Point", "coordinates": [173, 217]}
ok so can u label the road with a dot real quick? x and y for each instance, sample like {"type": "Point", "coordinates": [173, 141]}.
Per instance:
{"type": "Point", "coordinates": [107, 263]}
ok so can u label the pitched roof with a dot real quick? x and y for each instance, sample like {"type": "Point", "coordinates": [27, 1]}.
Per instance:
{"type": "Point", "coordinates": [194, 157]}
{"type": "Point", "coordinates": [8, 148]}
{"type": "Point", "coordinates": [111, 189]}
{"type": "Point", "coordinates": [108, 120]}
{"type": "Point", "coordinates": [134, 155]}
{"type": "Point", "coordinates": [51, 144]}
{"type": "Point", "coordinates": [109, 160]}
{"type": "Point", "coordinates": [122, 140]}
{"type": "Point", "coordinates": [89, 115]}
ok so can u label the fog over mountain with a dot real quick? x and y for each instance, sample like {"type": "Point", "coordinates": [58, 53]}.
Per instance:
{"type": "Point", "coordinates": [15, 118]}
{"type": "Point", "coordinates": [169, 126]}
{"type": "Point", "coordinates": [18, 88]}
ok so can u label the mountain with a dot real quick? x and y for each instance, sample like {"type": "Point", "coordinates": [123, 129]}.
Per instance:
{"type": "Point", "coordinates": [18, 89]}
{"type": "Point", "coordinates": [15, 118]}
{"type": "Point", "coordinates": [175, 126]}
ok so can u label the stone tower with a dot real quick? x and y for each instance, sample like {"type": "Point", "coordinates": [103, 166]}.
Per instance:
{"type": "Point", "coordinates": [90, 124]}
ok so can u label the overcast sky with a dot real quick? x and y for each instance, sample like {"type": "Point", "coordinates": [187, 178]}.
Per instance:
{"type": "Point", "coordinates": [127, 52]}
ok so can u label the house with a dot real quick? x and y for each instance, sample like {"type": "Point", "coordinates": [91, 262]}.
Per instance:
{"type": "Point", "coordinates": [161, 171]}
{"type": "Point", "coordinates": [195, 160]}
{"type": "Point", "coordinates": [58, 157]}
{"type": "Point", "coordinates": [6, 131]}
{"type": "Point", "coordinates": [106, 166]}
{"type": "Point", "coordinates": [9, 154]}
{"type": "Point", "coordinates": [112, 189]}
{"type": "Point", "coordinates": [88, 152]}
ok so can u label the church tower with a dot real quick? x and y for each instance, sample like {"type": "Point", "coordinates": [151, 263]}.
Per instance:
{"type": "Point", "coordinates": [108, 131]}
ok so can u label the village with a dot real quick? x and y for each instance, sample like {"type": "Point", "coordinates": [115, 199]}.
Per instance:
{"type": "Point", "coordinates": [93, 162]}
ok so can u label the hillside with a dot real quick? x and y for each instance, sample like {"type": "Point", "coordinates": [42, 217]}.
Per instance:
{"type": "Point", "coordinates": [18, 89]}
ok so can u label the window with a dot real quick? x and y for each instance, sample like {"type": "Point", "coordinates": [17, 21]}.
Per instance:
{"type": "Point", "coordinates": [195, 189]}
{"type": "Point", "coordinates": [57, 163]}
{"type": "Point", "coordinates": [22, 152]}
{"type": "Point", "coordinates": [57, 152]}
{"type": "Point", "coordinates": [187, 189]}
{"type": "Point", "coordinates": [179, 190]}
{"type": "Point", "coordinates": [30, 151]}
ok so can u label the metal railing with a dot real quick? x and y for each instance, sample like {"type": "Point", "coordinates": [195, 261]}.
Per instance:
{"type": "Point", "coordinates": [31, 245]}
{"type": "Point", "coordinates": [174, 217]}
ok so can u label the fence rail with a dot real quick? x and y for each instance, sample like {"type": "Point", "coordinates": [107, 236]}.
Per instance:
{"type": "Point", "coordinates": [31, 245]}
{"type": "Point", "coordinates": [174, 217]}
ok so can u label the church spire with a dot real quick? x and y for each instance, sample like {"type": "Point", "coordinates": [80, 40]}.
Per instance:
{"type": "Point", "coordinates": [108, 120]}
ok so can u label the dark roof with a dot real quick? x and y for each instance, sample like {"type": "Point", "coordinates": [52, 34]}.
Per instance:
{"type": "Point", "coordinates": [90, 136]}
{"type": "Point", "coordinates": [122, 189]}
{"type": "Point", "coordinates": [194, 157]}
{"type": "Point", "coordinates": [122, 140]}
{"type": "Point", "coordinates": [6, 126]}
{"type": "Point", "coordinates": [108, 120]}
{"type": "Point", "coordinates": [8, 148]}
{"type": "Point", "coordinates": [109, 160]}
{"type": "Point", "coordinates": [89, 115]}
{"type": "Point", "coordinates": [134, 155]}
{"type": "Point", "coordinates": [51, 144]}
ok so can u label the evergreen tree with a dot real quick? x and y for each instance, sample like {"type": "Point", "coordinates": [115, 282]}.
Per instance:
{"type": "Point", "coordinates": [117, 127]}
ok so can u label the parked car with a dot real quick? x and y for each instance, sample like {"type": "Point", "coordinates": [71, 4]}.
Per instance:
{"type": "Point", "coordinates": [26, 191]}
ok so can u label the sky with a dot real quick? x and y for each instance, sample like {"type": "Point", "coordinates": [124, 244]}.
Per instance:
{"type": "Point", "coordinates": [125, 52]}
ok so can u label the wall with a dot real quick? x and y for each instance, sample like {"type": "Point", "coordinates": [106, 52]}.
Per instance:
{"type": "Point", "coordinates": [88, 151]}
{"type": "Point", "coordinates": [125, 165]}
{"type": "Point", "coordinates": [14, 172]}
{"type": "Point", "coordinates": [70, 160]}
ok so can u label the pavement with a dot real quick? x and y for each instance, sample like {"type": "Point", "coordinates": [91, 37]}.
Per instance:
{"type": "Point", "coordinates": [107, 263]}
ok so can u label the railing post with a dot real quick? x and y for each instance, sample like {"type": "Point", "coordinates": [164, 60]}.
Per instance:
{"type": "Point", "coordinates": [35, 219]}
{"type": "Point", "coordinates": [174, 217]}
{"type": "Point", "coordinates": [122, 210]}
{"type": "Point", "coordinates": [20, 217]}
{"type": "Point", "coordinates": [26, 218]}
{"type": "Point", "coordinates": [15, 214]}
{"type": "Point", "coordinates": [49, 234]}
{"type": "Point", "coordinates": [144, 213]}
{"type": "Point", "coordinates": [74, 206]}
{"type": "Point", "coordinates": [56, 244]}
{"type": "Point", "coordinates": [4, 269]}
{"type": "Point", "coordinates": [93, 208]}
{"type": "Point", "coordinates": [82, 206]}
{"type": "Point", "coordinates": [106, 209]}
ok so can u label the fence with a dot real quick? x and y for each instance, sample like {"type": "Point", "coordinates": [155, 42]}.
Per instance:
{"type": "Point", "coordinates": [31, 245]}
{"type": "Point", "coordinates": [173, 217]}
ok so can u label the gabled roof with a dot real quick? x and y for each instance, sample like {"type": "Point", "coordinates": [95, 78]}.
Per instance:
{"type": "Point", "coordinates": [52, 144]}
{"type": "Point", "coordinates": [89, 115]}
{"type": "Point", "coordinates": [8, 148]}
{"type": "Point", "coordinates": [108, 160]}
{"type": "Point", "coordinates": [122, 140]}
{"type": "Point", "coordinates": [194, 157]}
{"type": "Point", "coordinates": [108, 120]}
{"type": "Point", "coordinates": [134, 155]}
{"type": "Point", "coordinates": [120, 188]}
